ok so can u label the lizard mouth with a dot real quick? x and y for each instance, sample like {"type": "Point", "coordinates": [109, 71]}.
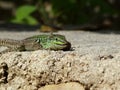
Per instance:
{"type": "Point", "coordinates": [65, 46]}
{"type": "Point", "coordinates": [68, 46]}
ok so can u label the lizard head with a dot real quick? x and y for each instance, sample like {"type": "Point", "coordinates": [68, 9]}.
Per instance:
{"type": "Point", "coordinates": [54, 42]}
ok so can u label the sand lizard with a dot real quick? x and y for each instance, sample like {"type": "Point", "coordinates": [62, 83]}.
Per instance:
{"type": "Point", "coordinates": [47, 42]}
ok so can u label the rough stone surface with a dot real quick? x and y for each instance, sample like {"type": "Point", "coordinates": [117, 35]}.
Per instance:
{"type": "Point", "coordinates": [94, 63]}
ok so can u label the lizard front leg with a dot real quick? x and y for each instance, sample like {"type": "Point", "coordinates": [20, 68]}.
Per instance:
{"type": "Point", "coordinates": [31, 45]}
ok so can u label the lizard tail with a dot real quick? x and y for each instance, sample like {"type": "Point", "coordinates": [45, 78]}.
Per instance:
{"type": "Point", "coordinates": [9, 43]}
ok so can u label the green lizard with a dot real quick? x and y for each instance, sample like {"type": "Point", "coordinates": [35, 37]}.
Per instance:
{"type": "Point", "coordinates": [47, 42]}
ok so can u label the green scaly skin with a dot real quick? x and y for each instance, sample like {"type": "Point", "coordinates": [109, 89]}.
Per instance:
{"type": "Point", "coordinates": [47, 42]}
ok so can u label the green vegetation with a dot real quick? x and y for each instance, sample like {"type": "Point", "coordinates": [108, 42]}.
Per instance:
{"type": "Point", "coordinates": [23, 15]}
{"type": "Point", "coordinates": [60, 11]}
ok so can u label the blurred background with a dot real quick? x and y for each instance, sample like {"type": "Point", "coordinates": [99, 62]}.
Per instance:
{"type": "Point", "coordinates": [53, 15]}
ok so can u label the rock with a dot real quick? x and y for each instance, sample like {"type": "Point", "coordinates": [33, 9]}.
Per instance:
{"type": "Point", "coordinates": [94, 63]}
{"type": "Point", "coordinates": [64, 86]}
{"type": "Point", "coordinates": [3, 72]}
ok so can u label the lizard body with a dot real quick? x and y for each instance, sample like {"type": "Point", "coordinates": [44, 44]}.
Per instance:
{"type": "Point", "coordinates": [48, 42]}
